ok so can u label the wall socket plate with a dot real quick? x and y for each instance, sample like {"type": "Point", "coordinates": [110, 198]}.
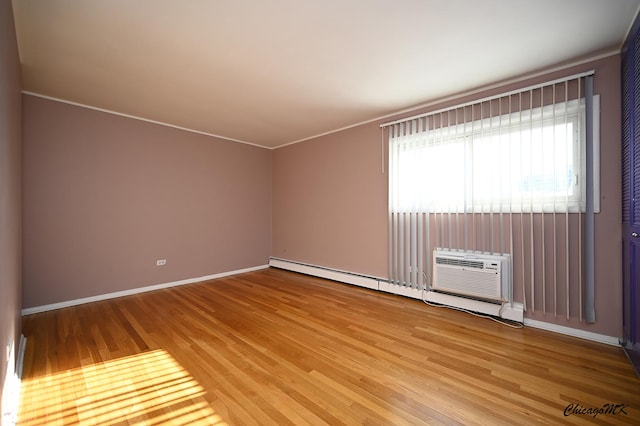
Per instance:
{"type": "Point", "coordinates": [161, 262]}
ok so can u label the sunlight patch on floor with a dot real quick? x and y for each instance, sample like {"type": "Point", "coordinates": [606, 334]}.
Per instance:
{"type": "Point", "coordinates": [147, 389]}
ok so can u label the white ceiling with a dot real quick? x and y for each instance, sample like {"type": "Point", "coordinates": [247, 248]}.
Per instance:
{"type": "Point", "coordinates": [279, 71]}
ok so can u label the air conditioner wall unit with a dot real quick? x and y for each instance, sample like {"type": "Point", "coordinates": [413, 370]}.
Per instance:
{"type": "Point", "coordinates": [471, 274]}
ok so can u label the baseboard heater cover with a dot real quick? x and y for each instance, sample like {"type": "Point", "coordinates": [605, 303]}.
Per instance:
{"type": "Point", "coordinates": [513, 312]}
{"type": "Point", "coordinates": [508, 311]}
{"type": "Point", "coordinates": [372, 283]}
{"type": "Point", "coordinates": [327, 273]}
{"type": "Point", "coordinates": [401, 290]}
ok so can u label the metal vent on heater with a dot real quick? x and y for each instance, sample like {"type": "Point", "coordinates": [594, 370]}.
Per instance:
{"type": "Point", "coordinates": [460, 262]}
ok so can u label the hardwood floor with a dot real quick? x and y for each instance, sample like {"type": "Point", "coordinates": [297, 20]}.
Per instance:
{"type": "Point", "coordinates": [274, 347]}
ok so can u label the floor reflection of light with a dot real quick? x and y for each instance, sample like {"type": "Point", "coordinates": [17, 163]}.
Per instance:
{"type": "Point", "coordinates": [150, 388]}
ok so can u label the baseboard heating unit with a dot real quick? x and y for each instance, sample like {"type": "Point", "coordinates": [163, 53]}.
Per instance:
{"type": "Point", "coordinates": [327, 273]}
{"type": "Point", "coordinates": [502, 309]}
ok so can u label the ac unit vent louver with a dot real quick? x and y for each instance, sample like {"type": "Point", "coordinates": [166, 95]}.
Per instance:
{"type": "Point", "coordinates": [459, 262]}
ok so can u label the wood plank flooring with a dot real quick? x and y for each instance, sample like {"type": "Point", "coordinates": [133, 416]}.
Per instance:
{"type": "Point", "coordinates": [275, 347]}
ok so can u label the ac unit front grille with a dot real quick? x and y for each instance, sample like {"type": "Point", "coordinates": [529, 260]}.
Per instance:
{"type": "Point", "coordinates": [469, 274]}
{"type": "Point", "coordinates": [463, 263]}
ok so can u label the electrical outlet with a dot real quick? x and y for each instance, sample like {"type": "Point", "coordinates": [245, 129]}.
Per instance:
{"type": "Point", "coordinates": [161, 262]}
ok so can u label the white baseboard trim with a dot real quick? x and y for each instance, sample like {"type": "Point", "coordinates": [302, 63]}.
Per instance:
{"type": "Point", "coordinates": [65, 304]}
{"type": "Point", "coordinates": [573, 332]}
{"type": "Point", "coordinates": [11, 386]}
{"type": "Point", "coordinates": [21, 348]}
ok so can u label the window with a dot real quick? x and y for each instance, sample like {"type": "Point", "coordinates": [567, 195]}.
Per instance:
{"type": "Point", "coordinates": [532, 160]}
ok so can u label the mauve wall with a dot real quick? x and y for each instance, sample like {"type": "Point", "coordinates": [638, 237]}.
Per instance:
{"type": "Point", "coordinates": [105, 196]}
{"type": "Point", "coordinates": [10, 188]}
{"type": "Point", "coordinates": [330, 199]}
{"type": "Point", "coordinates": [330, 202]}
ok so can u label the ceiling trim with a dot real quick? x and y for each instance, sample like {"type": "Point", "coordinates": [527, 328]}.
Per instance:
{"type": "Point", "coordinates": [135, 117]}
{"type": "Point", "coordinates": [379, 118]}
{"type": "Point", "coordinates": [633, 21]}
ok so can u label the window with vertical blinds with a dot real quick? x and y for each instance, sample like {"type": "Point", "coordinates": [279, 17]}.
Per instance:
{"type": "Point", "coordinates": [516, 175]}
{"type": "Point", "coordinates": [503, 155]}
